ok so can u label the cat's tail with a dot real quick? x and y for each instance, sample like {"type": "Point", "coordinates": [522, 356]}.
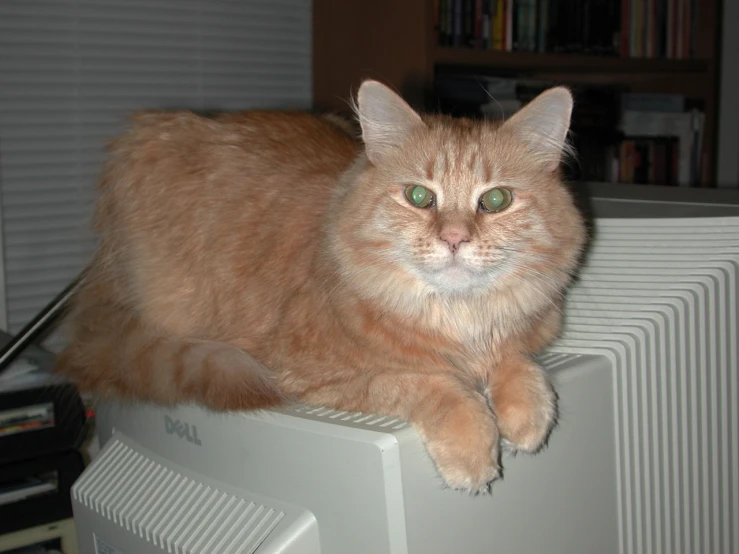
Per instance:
{"type": "Point", "coordinates": [111, 353]}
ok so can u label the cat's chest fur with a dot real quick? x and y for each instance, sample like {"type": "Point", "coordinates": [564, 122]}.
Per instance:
{"type": "Point", "coordinates": [368, 335]}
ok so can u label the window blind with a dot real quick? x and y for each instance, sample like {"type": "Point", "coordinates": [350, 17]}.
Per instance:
{"type": "Point", "coordinates": [70, 73]}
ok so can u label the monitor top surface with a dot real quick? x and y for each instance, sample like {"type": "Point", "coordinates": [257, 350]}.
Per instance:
{"type": "Point", "coordinates": [607, 200]}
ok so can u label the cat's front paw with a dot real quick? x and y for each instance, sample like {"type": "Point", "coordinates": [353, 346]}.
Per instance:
{"type": "Point", "coordinates": [465, 451]}
{"type": "Point", "coordinates": [526, 421]}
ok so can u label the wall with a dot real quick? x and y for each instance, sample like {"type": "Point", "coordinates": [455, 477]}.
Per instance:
{"type": "Point", "coordinates": [71, 72]}
{"type": "Point", "coordinates": [728, 139]}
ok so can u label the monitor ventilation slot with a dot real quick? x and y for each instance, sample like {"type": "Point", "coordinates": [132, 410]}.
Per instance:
{"type": "Point", "coordinates": [659, 298]}
{"type": "Point", "coordinates": [171, 510]}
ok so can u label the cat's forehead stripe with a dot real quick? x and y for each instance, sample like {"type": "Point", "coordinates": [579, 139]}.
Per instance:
{"type": "Point", "coordinates": [458, 160]}
{"type": "Point", "coordinates": [488, 170]}
{"type": "Point", "coordinates": [472, 162]}
{"type": "Point", "coordinates": [440, 165]}
{"type": "Point", "coordinates": [431, 168]}
{"type": "Point", "coordinates": [483, 167]}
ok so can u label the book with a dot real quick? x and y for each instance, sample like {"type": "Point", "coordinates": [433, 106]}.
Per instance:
{"type": "Point", "coordinates": [687, 127]}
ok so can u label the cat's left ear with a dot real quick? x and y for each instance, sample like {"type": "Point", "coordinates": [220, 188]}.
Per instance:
{"type": "Point", "coordinates": [386, 119]}
{"type": "Point", "coordinates": [543, 125]}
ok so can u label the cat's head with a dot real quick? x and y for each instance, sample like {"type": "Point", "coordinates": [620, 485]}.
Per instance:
{"type": "Point", "coordinates": [455, 207]}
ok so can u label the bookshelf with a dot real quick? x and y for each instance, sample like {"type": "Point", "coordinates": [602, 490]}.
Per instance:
{"type": "Point", "coordinates": [574, 63]}
{"type": "Point", "coordinates": [396, 42]}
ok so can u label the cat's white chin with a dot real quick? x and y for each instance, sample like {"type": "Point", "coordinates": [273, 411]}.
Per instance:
{"type": "Point", "coordinates": [455, 279]}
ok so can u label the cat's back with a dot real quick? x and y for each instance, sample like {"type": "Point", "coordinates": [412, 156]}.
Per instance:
{"type": "Point", "coordinates": [189, 205]}
{"type": "Point", "coordinates": [173, 170]}
{"type": "Point", "coordinates": [258, 143]}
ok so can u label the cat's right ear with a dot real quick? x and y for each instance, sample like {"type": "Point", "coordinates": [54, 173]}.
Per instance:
{"type": "Point", "coordinates": [386, 119]}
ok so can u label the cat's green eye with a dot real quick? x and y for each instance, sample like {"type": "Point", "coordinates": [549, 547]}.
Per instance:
{"type": "Point", "coordinates": [419, 196]}
{"type": "Point", "coordinates": [496, 200]}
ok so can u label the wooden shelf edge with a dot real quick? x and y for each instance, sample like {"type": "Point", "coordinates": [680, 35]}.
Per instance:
{"type": "Point", "coordinates": [562, 63]}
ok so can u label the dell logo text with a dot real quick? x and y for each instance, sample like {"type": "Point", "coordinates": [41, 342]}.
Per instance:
{"type": "Point", "coordinates": [182, 430]}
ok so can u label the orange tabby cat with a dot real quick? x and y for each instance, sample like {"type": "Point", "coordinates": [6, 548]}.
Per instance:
{"type": "Point", "coordinates": [252, 259]}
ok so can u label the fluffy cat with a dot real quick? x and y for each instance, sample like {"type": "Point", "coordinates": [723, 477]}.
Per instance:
{"type": "Point", "coordinates": [256, 258]}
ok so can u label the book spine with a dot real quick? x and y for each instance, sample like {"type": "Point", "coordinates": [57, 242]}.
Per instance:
{"type": "Point", "coordinates": [626, 28]}
{"type": "Point", "coordinates": [458, 25]}
{"type": "Point", "coordinates": [509, 8]}
{"type": "Point", "coordinates": [499, 26]}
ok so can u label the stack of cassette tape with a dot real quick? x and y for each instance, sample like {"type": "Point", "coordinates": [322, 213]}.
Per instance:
{"type": "Point", "coordinates": [42, 424]}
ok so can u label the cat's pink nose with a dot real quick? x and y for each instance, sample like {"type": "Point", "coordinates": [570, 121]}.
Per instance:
{"type": "Point", "coordinates": [454, 237]}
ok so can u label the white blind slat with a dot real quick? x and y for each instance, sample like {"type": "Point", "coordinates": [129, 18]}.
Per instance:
{"type": "Point", "coordinates": [30, 239]}
{"type": "Point", "coordinates": [71, 71]}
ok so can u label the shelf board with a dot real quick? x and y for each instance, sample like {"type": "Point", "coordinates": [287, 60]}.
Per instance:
{"type": "Point", "coordinates": [562, 63]}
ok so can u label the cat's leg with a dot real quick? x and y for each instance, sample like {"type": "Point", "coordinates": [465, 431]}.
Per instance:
{"type": "Point", "coordinates": [455, 423]}
{"type": "Point", "coordinates": [524, 402]}
{"type": "Point", "coordinates": [544, 332]}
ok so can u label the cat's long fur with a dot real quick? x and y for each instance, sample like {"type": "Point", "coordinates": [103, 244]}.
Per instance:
{"type": "Point", "coordinates": [256, 258]}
